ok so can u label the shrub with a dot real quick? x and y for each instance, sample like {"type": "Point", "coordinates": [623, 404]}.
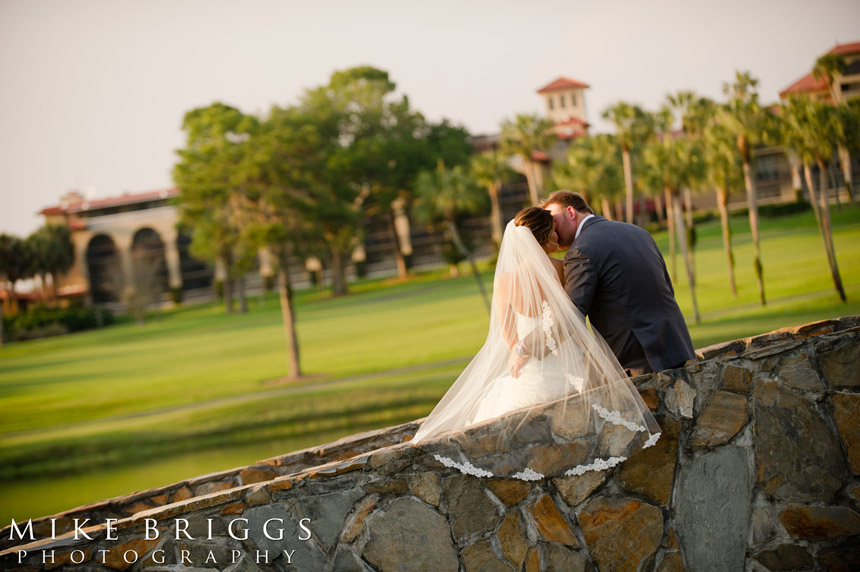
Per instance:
{"type": "Point", "coordinates": [42, 321]}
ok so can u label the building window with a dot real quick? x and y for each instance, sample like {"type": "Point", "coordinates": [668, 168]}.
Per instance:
{"type": "Point", "coordinates": [549, 100]}
{"type": "Point", "coordinates": [561, 100]}
{"type": "Point", "coordinates": [573, 100]}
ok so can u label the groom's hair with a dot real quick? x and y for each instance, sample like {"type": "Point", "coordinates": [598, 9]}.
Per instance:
{"type": "Point", "coordinates": [567, 199]}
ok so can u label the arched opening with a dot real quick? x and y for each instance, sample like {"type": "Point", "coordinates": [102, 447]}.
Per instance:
{"type": "Point", "coordinates": [196, 274]}
{"type": "Point", "coordinates": [149, 269]}
{"type": "Point", "coordinates": [104, 269]}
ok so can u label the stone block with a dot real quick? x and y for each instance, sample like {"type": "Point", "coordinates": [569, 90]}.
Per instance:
{"type": "Point", "coordinates": [796, 371]}
{"type": "Point", "coordinates": [575, 489]}
{"type": "Point", "coordinates": [256, 474]}
{"type": "Point", "coordinates": [679, 399]}
{"type": "Point", "coordinates": [327, 513]}
{"type": "Point", "coordinates": [840, 364]}
{"type": "Point", "coordinates": [550, 523]}
{"type": "Point", "coordinates": [846, 411]}
{"type": "Point", "coordinates": [651, 471]}
{"type": "Point", "coordinates": [712, 510]}
{"type": "Point", "coordinates": [737, 379]}
{"type": "Point", "coordinates": [354, 524]}
{"type": "Point", "coordinates": [621, 533]}
{"type": "Point", "coordinates": [513, 539]}
{"type": "Point", "coordinates": [345, 560]}
{"type": "Point", "coordinates": [426, 486]}
{"type": "Point", "coordinates": [509, 491]}
{"type": "Point", "coordinates": [819, 522]}
{"type": "Point", "coordinates": [671, 562]}
{"type": "Point", "coordinates": [532, 561]}
{"type": "Point", "coordinates": [798, 459]}
{"type": "Point", "coordinates": [470, 510]}
{"type": "Point", "coordinates": [844, 557]}
{"type": "Point", "coordinates": [114, 557]}
{"type": "Point", "coordinates": [480, 557]}
{"type": "Point", "coordinates": [561, 559]}
{"type": "Point", "coordinates": [785, 558]}
{"type": "Point", "coordinates": [409, 537]}
{"type": "Point", "coordinates": [720, 419]}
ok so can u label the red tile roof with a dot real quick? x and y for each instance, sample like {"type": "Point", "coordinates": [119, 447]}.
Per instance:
{"type": "Point", "coordinates": [572, 121]}
{"type": "Point", "coordinates": [562, 83]}
{"type": "Point", "coordinates": [804, 85]}
{"type": "Point", "coordinates": [126, 199]}
{"type": "Point", "coordinates": [808, 83]}
{"type": "Point", "coordinates": [846, 49]}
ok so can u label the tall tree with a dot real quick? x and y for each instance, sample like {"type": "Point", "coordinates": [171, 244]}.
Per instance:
{"type": "Point", "coordinates": [491, 171]}
{"type": "Point", "coordinates": [675, 161]}
{"type": "Point", "coordinates": [210, 198]}
{"type": "Point", "coordinates": [749, 125]}
{"type": "Point", "coordinates": [724, 173]}
{"type": "Point", "coordinates": [808, 128]}
{"type": "Point", "coordinates": [632, 127]}
{"type": "Point", "coordinates": [523, 137]}
{"type": "Point", "coordinates": [343, 124]}
{"type": "Point", "coordinates": [828, 67]}
{"type": "Point", "coordinates": [16, 263]}
{"type": "Point", "coordinates": [592, 169]}
{"type": "Point", "coordinates": [53, 253]}
{"type": "Point", "coordinates": [443, 196]}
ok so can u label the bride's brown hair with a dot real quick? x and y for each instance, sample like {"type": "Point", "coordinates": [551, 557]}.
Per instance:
{"type": "Point", "coordinates": [539, 221]}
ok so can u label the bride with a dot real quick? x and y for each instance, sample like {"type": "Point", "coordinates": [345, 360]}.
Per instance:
{"type": "Point", "coordinates": [544, 396]}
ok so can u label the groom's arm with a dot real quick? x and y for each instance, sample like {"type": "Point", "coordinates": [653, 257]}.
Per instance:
{"type": "Point", "coordinates": [580, 279]}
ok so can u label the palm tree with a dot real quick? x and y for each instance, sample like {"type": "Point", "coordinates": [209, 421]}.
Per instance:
{"type": "Point", "coordinates": [809, 127]}
{"type": "Point", "coordinates": [748, 122]}
{"type": "Point", "coordinates": [826, 68]}
{"type": "Point", "coordinates": [491, 170]}
{"type": "Point", "coordinates": [592, 170]}
{"type": "Point", "coordinates": [53, 253]}
{"type": "Point", "coordinates": [632, 127]}
{"type": "Point", "coordinates": [724, 172]}
{"type": "Point", "coordinates": [443, 195]}
{"type": "Point", "coordinates": [16, 263]}
{"type": "Point", "coordinates": [523, 137]}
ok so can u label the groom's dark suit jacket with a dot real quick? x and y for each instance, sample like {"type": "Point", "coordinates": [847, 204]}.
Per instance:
{"type": "Point", "coordinates": [615, 275]}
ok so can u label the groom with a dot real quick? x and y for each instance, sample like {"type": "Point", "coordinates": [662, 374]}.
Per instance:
{"type": "Point", "coordinates": [616, 276]}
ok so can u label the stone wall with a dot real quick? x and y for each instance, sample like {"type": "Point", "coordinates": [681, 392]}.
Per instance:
{"type": "Point", "coordinates": [757, 470]}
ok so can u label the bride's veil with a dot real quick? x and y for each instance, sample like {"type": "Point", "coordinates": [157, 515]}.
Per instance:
{"type": "Point", "coordinates": [571, 408]}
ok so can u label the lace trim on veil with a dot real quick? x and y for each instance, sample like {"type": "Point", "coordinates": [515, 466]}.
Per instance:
{"type": "Point", "coordinates": [529, 474]}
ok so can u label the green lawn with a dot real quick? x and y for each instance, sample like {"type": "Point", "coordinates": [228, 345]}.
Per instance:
{"type": "Point", "coordinates": [131, 407]}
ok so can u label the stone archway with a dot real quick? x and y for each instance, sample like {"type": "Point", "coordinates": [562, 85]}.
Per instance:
{"type": "Point", "coordinates": [149, 278]}
{"type": "Point", "coordinates": [105, 271]}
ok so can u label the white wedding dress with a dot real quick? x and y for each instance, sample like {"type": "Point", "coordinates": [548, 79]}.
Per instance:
{"type": "Point", "coordinates": [571, 408]}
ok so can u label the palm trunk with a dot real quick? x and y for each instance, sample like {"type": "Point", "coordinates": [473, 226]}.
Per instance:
{"type": "Point", "coordinates": [495, 215]}
{"type": "Point", "coordinates": [752, 201]}
{"type": "Point", "coordinates": [807, 173]}
{"type": "Point", "coordinates": [658, 208]}
{"type": "Point", "coordinates": [619, 211]}
{"type": "Point", "coordinates": [2, 330]}
{"type": "Point", "coordinates": [686, 253]}
{"type": "Point", "coordinates": [285, 294]}
{"type": "Point", "coordinates": [458, 242]}
{"type": "Point", "coordinates": [670, 216]}
{"type": "Point", "coordinates": [628, 182]}
{"type": "Point", "coordinates": [723, 206]}
{"type": "Point", "coordinates": [402, 271]}
{"type": "Point", "coordinates": [243, 298]}
{"type": "Point", "coordinates": [607, 209]}
{"type": "Point", "coordinates": [833, 185]}
{"type": "Point", "coordinates": [845, 161]}
{"type": "Point", "coordinates": [827, 232]}
{"type": "Point", "coordinates": [688, 210]}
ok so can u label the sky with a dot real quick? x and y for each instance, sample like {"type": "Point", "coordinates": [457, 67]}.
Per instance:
{"type": "Point", "coordinates": [93, 92]}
